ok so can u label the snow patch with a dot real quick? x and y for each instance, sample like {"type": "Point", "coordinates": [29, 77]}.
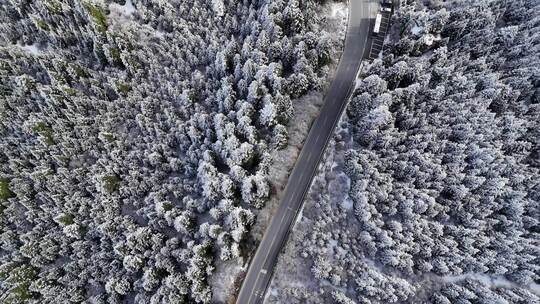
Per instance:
{"type": "Point", "coordinates": [332, 244]}
{"type": "Point", "coordinates": [159, 34]}
{"type": "Point", "coordinates": [222, 280]}
{"type": "Point", "coordinates": [218, 7]}
{"type": "Point", "coordinates": [429, 39]}
{"type": "Point", "coordinates": [490, 281]}
{"type": "Point", "coordinates": [342, 197]}
{"type": "Point", "coordinates": [347, 203]}
{"type": "Point", "coordinates": [299, 215]}
{"type": "Point", "coordinates": [339, 9]}
{"type": "Point", "coordinates": [272, 291]}
{"type": "Point", "coordinates": [32, 49]}
{"type": "Point", "coordinates": [417, 30]}
{"type": "Point", "coordinates": [357, 83]}
{"type": "Point", "coordinates": [535, 288]}
{"type": "Point", "coordinates": [119, 12]}
{"type": "Point", "coordinates": [267, 295]}
{"type": "Point", "coordinates": [128, 8]}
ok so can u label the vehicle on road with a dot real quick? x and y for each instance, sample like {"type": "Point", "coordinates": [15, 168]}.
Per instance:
{"type": "Point", "coordinates": [377, 26]}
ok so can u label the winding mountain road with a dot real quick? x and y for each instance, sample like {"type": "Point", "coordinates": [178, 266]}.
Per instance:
{"type": "Point", "coordinates": [357, 41]}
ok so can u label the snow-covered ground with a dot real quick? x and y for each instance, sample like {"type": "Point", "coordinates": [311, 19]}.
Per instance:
{"type": "Point", "coordinates": [223, 280]}
{"type": "Point", "coordinates": [338, 12]}
{"type": "Point", "coordinates": [490, 281]}
{"type": "Point", "coordinates": [336, 17]}
{"type": "Point", "coordinates": [126, 9]}
{"type": "Point", "coordinates": [32, 49]}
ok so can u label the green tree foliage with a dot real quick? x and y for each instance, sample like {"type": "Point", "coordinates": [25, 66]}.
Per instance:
{"type": "Point", "coordinates": [5, 192]}
{"type": "Point", "coordinates": [98, 16]}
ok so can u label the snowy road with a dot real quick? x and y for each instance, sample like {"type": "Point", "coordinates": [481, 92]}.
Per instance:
{"type": "Point", "coordinates": [361, 13]}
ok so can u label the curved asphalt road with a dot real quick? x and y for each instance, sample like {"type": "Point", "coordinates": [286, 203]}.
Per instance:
{"type": "Point", "coordinates": [356, 43]}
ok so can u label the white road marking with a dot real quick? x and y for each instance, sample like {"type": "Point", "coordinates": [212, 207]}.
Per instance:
{"type": "Point", "coordinates": [272, 243]}
{"type": "Point", "coordinates": [294, 192]}
{"type": "Point", "coordinates": [256, 291]}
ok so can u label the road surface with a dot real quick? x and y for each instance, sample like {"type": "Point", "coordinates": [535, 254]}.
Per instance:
{"type": "Point", "coordinates": [356, 43]}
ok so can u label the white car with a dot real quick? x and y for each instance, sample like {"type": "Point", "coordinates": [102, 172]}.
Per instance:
{"type": "Point", "coordinates": [377, 26]}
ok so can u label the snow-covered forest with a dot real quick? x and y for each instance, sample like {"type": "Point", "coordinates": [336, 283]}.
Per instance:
{"type": "Point", "coordinates": [136, 139]}
{"type": "Point", "coordinates": [430, 191]}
